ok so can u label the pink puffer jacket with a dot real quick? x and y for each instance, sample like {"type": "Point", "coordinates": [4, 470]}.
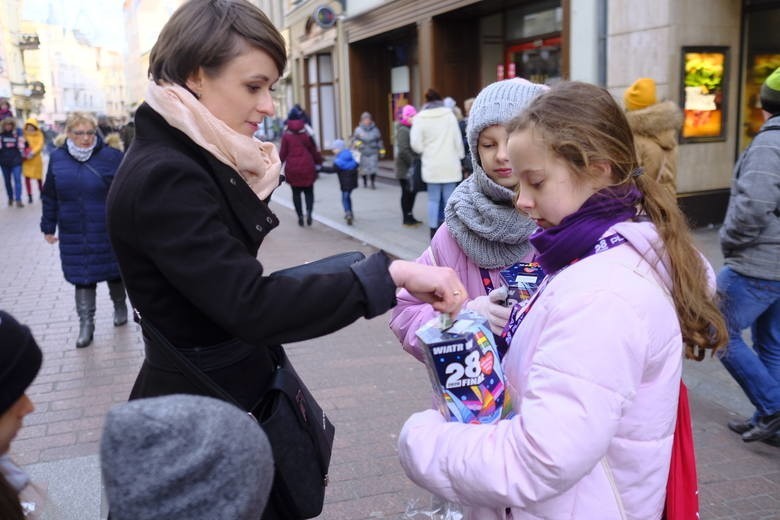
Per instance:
{"type": "Point", "coordinates": [410, 313]}
{"type": "Point", "coordinates": [594, 373]}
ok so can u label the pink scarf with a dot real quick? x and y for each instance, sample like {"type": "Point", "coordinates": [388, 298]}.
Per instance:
{"type": "Point", "coordinates": [257, 162]}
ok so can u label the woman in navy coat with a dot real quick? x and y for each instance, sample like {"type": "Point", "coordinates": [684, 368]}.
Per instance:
{"type": "Point", "coordinates": [74, 200]}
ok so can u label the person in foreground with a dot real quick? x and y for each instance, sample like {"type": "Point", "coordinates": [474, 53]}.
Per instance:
{"type": "Point", "coordinates": [595, 359]}
{"type": "Point", "coordinates": [20, 361]}
{"type": "Point", "coordinates": [749, 283]}
{"type": "Point", "coordinates": [483, 232]}
{"type": "Point", "coordinates": [184, 456]}
{"type": "Point", "coordinates": [186, 215]}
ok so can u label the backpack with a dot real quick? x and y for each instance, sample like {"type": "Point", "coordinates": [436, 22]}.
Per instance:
{"type": "Point", "coordinates": [682, 488]}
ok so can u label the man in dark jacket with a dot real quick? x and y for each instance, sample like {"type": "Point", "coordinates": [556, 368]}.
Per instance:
{"type": "Point", "coordinates": [749, 284]}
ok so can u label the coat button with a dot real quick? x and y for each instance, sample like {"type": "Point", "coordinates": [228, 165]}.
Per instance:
{"type": "Point", "coordinates": [233, 181]}
{"type": "Point", "coordinates": [269, 220]}
{"type": "Point", "coordinates": [259, 227]}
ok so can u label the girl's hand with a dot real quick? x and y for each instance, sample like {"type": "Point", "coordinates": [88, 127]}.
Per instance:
{"type": "Point", "coordinates": [50, 239]}
{"type": "Point", "coordinates": [439, 286]}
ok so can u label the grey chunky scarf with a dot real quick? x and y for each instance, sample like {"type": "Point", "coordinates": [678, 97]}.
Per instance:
{"type": "Point", "coordinates": [482, 220]}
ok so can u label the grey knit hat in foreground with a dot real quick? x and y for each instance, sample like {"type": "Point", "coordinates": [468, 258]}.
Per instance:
{"type": "Point", "coordinates": [184, 457]}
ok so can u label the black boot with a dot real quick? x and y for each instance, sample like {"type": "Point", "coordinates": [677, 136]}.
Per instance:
{"type": "Point", "coordinates": [117, 291]}
{"type": "Point", "coordinates": [373, 181]}
{"type": "Point", "coordinates": [409, 220]}
{"type": "Point", "coordinates": [300, 220]}
{"type": "Point", "coordinates": [365, 181]}
{"type": "Point", "coordinates": [85, 307]}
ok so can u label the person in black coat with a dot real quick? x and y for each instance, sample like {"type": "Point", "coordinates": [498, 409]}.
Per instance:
{"type": "Point", "coordinates": [74, 205]}
{"type": "Point", "coordinates": [186, 215]}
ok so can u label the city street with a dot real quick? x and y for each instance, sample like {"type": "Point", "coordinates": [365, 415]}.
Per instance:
{"type": "Point", "coordinates": [364, 380]}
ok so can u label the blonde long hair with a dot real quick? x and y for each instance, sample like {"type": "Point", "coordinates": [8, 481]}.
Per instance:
{"type": "Point", "coordinates": [582, 124]}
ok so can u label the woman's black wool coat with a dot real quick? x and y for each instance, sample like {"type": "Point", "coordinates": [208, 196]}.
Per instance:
{"type": "Point", "coordinates": [186, 229]}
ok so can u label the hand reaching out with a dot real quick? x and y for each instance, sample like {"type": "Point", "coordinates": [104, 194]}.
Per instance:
{"type": "Point", "coordinates": [439, 286]}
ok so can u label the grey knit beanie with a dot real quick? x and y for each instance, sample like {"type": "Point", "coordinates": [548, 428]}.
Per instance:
{"type": "Point", "coordinates": [496, 104]}
{"type": "Point", "coordinates": [184, 456]}
{"type": "Point", "coordinates": [479, 214]}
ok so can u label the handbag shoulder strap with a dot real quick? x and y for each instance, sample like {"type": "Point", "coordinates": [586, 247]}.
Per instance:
{"type": "Point", "coordinates": [97, 173]}
{"type": "Point", "coordinates": [196, 376]}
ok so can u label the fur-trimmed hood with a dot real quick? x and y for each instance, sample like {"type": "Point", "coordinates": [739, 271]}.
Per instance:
{"type": "Point", "coordinates": [659, 122]}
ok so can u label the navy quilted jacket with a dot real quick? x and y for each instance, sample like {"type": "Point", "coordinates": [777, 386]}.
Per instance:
{"type": "Point", "coordinates": [74, 200]}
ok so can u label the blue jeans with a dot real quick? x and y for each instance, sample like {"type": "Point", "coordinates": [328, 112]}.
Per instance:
{"type": "Point", "coordinates": [14, 193]}
{"type": "Point", "coordinates": [755, 303]}
{"type": "Point", "coordinates": [438, 194]}
{"type": "Point", "coordinates": [346, 201]}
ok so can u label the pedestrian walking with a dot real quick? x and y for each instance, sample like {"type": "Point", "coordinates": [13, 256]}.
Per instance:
{"type": "Point", "coordinates": [74, 206]}
{"type": "Point", "coordinates": [12, 145]}
{"type": "Point", "coordinates": [32, 165]}
{"type": "Point", "coordinates": [656, 128]}
{"type": "Point", "coordinates": [435, 135]}
{"type": "Point", "coordinates": [483, 233]}
{"type": "Point", "coordinates": [127, 132]}
{"type": "Point", "coordinates": [749, 283]}
{"type": "Point", "coordinates": [187, 215]}
{"type": "Point", "coordinates": [300, 157]}
{"type": "Point", "coordinates": [595, 358]}
{"type": "Point", "coordinates": [5, 109]}
{"type": "Point", "coordinates": [345, 166]}
{"type": "Point", "coordinates": [297, 113]}
{"type": "Point", "coordinates": [367, 140]}
{"type": "Point", "coordinates": [184, 456]}
{"type": "Point", "coordinates": [20, 359]}
{"type": "Point", "coordinates": [463, 124]}
{"type": "Point", "coordinates": [405, 159]}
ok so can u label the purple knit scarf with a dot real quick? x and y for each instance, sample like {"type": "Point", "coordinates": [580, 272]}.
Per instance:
{"type": "Point", "coordinates": [578, 232]}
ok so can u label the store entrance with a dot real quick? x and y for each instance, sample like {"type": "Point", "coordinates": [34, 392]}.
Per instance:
{"type": "Point", "coordinates": [537, 60]}
{"type": "Point", "coordinates": [762, 57]}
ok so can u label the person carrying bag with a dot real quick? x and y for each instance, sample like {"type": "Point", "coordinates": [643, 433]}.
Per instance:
{"type": "Point", "coordinates": [187, 214]}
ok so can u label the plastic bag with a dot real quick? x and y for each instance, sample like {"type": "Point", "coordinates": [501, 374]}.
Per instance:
{"type": "Point", "coordinates": [439, 509]}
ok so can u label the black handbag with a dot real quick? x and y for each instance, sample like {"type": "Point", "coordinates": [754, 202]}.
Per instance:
{"type": "Point", "coordinates": [300, 433]}
{"type": "Point", "coordinates": [414, 182]}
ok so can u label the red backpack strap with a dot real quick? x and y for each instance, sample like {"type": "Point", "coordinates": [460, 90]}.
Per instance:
{"type": "Point", "coordinates": [682, 488]}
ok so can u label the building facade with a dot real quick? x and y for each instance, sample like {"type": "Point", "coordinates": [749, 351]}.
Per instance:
{"type": "Point", "coordinates": [709, 56]}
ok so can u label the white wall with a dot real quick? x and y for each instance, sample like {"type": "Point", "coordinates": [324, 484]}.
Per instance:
{"type": "Point", "coordinates": [584, 41]}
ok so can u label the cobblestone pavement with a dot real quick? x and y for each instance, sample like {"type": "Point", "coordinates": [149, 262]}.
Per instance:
{"type": "Point", "coordinates": [367, 384]}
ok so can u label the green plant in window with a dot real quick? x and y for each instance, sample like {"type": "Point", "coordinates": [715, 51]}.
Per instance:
{"type": "Point", "coordinates": [704, 70]}
{"type": "Point", "coordinates": [764, 65]}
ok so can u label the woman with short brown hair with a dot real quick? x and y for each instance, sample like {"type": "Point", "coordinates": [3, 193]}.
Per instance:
{"type": "Point", "coordinates": [188, 213]}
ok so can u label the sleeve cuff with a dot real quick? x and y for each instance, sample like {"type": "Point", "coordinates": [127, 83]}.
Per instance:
{"type": "Point", "coordinates": [378, 287]}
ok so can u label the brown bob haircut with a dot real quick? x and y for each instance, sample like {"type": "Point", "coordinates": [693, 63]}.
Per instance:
{"type": "Point", "coordinates": [208, 34]}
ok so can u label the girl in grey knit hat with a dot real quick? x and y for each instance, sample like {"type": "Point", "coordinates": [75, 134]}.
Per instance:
{"type": "Point", "coordinates": [484, 233]}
